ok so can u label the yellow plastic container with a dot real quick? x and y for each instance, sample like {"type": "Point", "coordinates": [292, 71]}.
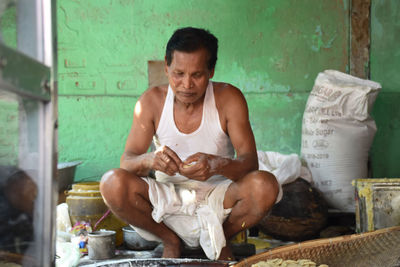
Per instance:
{"type": "Point", "coordinates": [85, 203]}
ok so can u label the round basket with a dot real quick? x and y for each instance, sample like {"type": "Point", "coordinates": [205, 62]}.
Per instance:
{"type": "Point", "coordinates": [370, 249]}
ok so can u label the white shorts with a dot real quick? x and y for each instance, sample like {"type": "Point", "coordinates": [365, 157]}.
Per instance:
{"type": "Point", "coordinates": [195, 213]}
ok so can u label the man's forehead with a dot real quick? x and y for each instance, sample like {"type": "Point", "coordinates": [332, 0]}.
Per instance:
{"type": "Point", "coordinates": [198, 56]}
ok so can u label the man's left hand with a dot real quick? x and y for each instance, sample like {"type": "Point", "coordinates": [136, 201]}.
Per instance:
{"type": "Point", "coordinates": [200, 166]}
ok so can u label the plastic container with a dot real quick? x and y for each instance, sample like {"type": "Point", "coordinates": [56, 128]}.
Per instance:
{"type": "Point", "coordinates": [85, 203]}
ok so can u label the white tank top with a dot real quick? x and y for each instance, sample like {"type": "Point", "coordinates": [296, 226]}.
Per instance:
{"type": "Point", "coordinates": [208, 138]}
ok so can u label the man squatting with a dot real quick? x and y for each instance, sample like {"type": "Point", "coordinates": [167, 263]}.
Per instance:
{"type": "Point", "coordinates": [203, 194]}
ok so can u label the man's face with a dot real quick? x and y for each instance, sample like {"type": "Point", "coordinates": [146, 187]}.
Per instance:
{"type": "Point", "coordinates": [188, 75]}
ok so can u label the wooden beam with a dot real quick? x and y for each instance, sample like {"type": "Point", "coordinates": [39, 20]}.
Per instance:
{"type": "Point", "coordinates": [360, 38]}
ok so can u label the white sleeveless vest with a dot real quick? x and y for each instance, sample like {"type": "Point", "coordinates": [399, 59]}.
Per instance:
{"type": "Point", "coordinates": [208, 138]}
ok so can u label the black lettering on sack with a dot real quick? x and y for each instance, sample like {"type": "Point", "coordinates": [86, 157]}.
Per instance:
{"type": "Point", "coordinates": [306, 131]}
{"type": "Point", "coordinates": [324, 132]}
{"type": "Point", "coordinates": [315, 165]}
{"type": "Point", "coordinates": [321, 111]}
{"type": "Point", "coordinates": [317, 156]}
{"type": "Point", "coordinates": [324, 93]}
{"type": "Point", "coordinates": [320, 144]}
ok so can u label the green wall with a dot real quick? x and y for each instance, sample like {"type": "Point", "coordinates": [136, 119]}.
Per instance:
{"type": "Point", "coordinates": [272, 50]}
{"type": "Point", "coordinates": [385, 67]}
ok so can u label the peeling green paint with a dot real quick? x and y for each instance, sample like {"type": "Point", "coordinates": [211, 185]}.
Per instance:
{"type": "Point", "coordinates": [277, 126]}
{"type": "Point", "coordinates": [318, 42]}
{"type": "Point", "coordinates": [94, 130]}
{"type": "Point", "coordinates": [255, 81]}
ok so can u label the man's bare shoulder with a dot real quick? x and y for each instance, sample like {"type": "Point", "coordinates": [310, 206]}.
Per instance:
{"type": "Point", "coordinates": [154, 95]}
{"type": "Point", "coordinates": [150, 104]}
{"type": "Point", "coordinates": [227, 95]}
{"type": "Point", "coordinates": [230, 103]}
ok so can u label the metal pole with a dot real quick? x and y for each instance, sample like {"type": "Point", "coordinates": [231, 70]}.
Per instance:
{"type": "Point", "coordinates": [35, 29]}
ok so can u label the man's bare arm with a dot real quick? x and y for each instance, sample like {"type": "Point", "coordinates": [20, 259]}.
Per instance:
{"type": "Point", "coordinates": [135, 158]}
{"type": "Point", "coordinates": [242, 138]}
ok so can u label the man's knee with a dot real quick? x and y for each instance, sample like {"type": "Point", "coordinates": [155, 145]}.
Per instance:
{"type": "Point", "coordinates": [113, 186]}
{"type": "Point", "coordinates": [264, 188]}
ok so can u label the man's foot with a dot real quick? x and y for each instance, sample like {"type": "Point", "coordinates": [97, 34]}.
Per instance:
{"type": "Point", "coordinates": [172, 250]}
{"type": "Point", "coordinates": [226, 254]}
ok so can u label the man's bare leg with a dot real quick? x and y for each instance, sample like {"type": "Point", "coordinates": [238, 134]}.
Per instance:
{"type": "Point", "coordinates": [127, 197]}
{"type": "Point", "coordinates": [250, 199]}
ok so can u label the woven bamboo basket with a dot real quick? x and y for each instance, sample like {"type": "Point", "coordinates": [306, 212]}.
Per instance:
{"type": "Point", "coordinates": [370, 249]}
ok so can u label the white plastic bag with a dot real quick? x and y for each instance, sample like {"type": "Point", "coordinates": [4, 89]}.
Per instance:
{"type": "Point", "coordinates": [286, 168]}
{"type": "Point", "coordinates": [337, 134]}
{"type": "Point", "coordinates": [68, 254]}
{"type": "Point", "coordinates": [63, 221]}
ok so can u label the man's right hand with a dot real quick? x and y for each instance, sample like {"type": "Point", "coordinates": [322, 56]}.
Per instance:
{"type": "Point", "coordinates": [166, 160]}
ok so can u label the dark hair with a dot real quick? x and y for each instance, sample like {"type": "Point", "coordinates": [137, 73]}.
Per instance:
{"type": "Point", "coordinates": [191, 39]}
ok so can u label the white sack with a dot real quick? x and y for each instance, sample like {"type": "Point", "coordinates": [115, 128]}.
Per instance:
{"type": "Point", "coordinates": [337, 133]}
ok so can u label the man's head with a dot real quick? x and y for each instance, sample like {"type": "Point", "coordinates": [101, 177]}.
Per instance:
{"type": "Point", "coordinates": [192, 39]}
{"type": "Point", "coordinates": [190, 61]}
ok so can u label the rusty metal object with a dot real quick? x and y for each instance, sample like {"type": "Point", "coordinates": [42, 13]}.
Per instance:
{"type": "Point", "coordinates": [377, 203]}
